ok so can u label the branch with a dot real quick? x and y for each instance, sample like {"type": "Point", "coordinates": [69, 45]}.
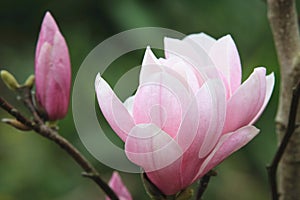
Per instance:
{"type": "Point", "coordinates": [204, 183]}
{"type": "Point", "coordinates": [47, 132]}
{"type": "Point", "coordinates": [272, 169]}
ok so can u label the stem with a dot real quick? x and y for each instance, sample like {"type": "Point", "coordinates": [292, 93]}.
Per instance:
{"type": "Point", "coordinates": [25, 93]}
{"type": "Point", "coordinates": [204, 183]}
{"type": "Point", "coordinates": [45, 131]}
{"type": "Point", "coordinates": [272, 169]}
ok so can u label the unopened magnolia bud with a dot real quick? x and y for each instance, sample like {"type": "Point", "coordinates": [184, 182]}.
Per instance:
{"type": "Point", "coordinates": [9, 80]}
{"type": "Point", "coordinates": [52, 70]}
{"type": "Point", "coordinates": [29, 81]}
{"type": "Point", "coordinates": [16, 124]}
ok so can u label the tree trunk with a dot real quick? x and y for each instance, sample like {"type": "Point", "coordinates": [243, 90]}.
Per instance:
{"type": "Point", "coordinates": [283, 19]}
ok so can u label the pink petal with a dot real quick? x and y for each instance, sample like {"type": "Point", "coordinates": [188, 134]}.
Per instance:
{"type": "Point", "coordinates": [226, 57]}
{"type": "Point", "coordinates": [151, 148]}
{"type": "Point", "coordinates": [43, 61]}
{"type": "Point", "coordinates": [128, 103]}
{"type": "Point", "coordinates": [48, 30]}
{"type": "Point", "coordinates": [167, 179]}
{"type": "Point", "coordinates": [194, 55]}
{"type": "Point", "coordinates": [228, 144]}
{"type": "Point", "coordinates": [246, 102]}
{"type": "Point", "coordinates": [150, 65]}
{"type": "Point", "coordinates": [201, 127]}
{"type": "Point", "coordinates": [218, 114]}
{"type": "Point", "coordinates": [270, 87]}
{"type": "Point", "coordinates": [112, 108]}
{"type": "Point", "coordinates": [188, 73]}
{"type": "Point", "coordinates": [158, 154]}
{"type": "Point", "coordinates": [161, 100]}
{"type": "Point", "coordinates": [189, 51]}
{"type": "Point", "coordinates": [118, 187]}
{"type": "Point", "coordinates": [203, 40]}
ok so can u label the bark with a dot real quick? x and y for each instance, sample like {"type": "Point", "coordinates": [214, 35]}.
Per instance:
{"type": "Point", "coordinates": [283, 19]}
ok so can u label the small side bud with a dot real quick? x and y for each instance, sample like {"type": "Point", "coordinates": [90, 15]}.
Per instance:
{"type": "Point", "coordinates": [29, 81]}
{"type": "Point", "coordinates": [185, 194]}
{"type": "Point", "coordinates": [9, 80]}
{"type": "Point", "coordinates": [16, 124]}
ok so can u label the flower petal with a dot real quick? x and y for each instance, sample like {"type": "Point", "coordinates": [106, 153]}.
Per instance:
{"type": "Point", "coordinates": [201, 127]}
{"type": "Point", "coordinates": [151, 148]}
{"type": "Point", "coordinates": [112, 108]}
{"type": "Point", "coordinates": [128, 103]}
{"type": "Point", "coordinates": [226, 57]}
{"type": "Point", "coordinates": [158, 154]}
{"type": "Point", "coordinates": [187, 50]}
{"type": "Point", "coordinates": [48, 30]}
{"type": "Point", "coordinates": [216, 92]}
{"type": "Point", "coordinates": [161, 99]}
{"type": "Point", "coordinates": [270, 87]}
{"type": "Point", "coordinates": [228, 144]}
{"type": "Point", "coordinates": [183, 69]}
{"type": "Point", "coordinates": [203, 40]}
{"type": "Point", "coordinates": [246, 102]}
{"type": "Point", "coordinates": [150, 65]}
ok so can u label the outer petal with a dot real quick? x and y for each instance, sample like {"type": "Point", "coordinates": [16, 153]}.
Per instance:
{"type": "Point", "coordinates": [58, 79]}
{"type": "Point", "coordinates": [42, 64]}
{"type": "Point", "coordinates": [118, 187]}
{"type": "Point", "coordinates": [128, 103]}
{"type": "Point", "coordinates": [228, 144]}
{"type": "Point", "coordinates": [246, 102]}
{"type": "Point", "coordinates": [150, 65]}
{"type": "Point", "coordinates": [201, 128]}
{"type": "Point", "coordinates": [203, 40]}
{"type": "Point", "coordinates": [158, 154]}
{"type": "Point", "coordinates": [168, 179]}
{"type": "Point", "coordinates": [270, 87]}
{"type": "Point", "coordinates": [189, 51]}
{"type": "Point", "coordinates": [150, 147]}
{"type": "Point", "coordinates": [226, 57]}
{"type": "Point", "coordinates": [162, 99]}
{"type": "Point", "coordinates": [194, 55]}
{"type": "Point", "coordinates": [48, 30]}
{"type": "Point", "coordinates": [184, 70]}
{"type": "Point", "coordinates": [112, 108]}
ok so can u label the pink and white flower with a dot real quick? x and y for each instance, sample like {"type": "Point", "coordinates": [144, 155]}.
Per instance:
{"type": "Point", "coordinates": [190, 111]}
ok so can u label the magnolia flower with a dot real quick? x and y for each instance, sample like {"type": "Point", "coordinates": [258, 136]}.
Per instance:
{"type": "Point", "coordinates": [52, 70]}
{"type": "Point", "coordinates": [190, 110]}
{"type": "Point", "coordinates": [118, 187]}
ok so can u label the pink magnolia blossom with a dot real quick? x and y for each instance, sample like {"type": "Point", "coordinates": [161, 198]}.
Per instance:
{"type": "Point", "coordinates": [52, 70]}
{"type": "Point", "coordinates": [118, 187]}
{"type": "Point", "coordinates": [190, 111]}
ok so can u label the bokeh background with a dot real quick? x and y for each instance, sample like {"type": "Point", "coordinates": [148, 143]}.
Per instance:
{"type": "Point", "coordinates": [33, 168]}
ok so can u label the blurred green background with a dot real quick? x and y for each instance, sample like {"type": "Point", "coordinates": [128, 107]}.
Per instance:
{"type": "Point", "coordinates": [34, 168]}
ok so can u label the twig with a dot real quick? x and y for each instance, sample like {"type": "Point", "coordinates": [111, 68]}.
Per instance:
{"type": "Point", "coordinates": [204, 183]}
{"type": "Point", "coordinates": [272, 169]}
{"type": "Point", "coordinates": [26, 97]}
{"type": "Point", "coordinates": [47, 132]}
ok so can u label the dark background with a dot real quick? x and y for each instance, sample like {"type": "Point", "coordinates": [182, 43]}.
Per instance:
{"type": "Point", "coordinates": [34, 168]}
